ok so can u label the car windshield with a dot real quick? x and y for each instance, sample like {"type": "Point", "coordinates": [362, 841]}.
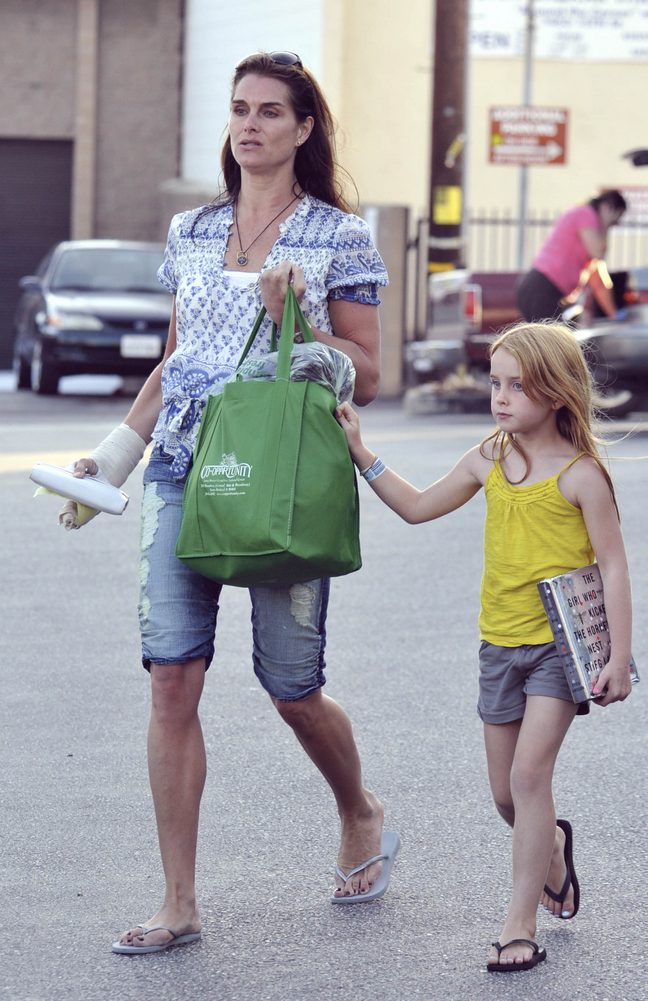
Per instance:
{"type": "Point", "coordinates": [108, 270]}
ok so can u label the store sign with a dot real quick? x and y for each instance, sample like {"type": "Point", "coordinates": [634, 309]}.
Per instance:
{"type": "Point", "coordinates": [578, 30]}
{"type": "Point", "coordinates": [528, 136]}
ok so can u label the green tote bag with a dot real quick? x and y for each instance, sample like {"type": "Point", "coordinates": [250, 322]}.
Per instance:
{"type": "Point", "coordinates": [272, 495]}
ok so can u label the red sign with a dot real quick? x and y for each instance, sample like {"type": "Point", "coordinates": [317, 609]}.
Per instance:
{"type": "Point", "coordinates": [528, 136]}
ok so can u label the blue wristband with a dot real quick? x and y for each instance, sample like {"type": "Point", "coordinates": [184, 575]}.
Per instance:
{"type": "Point", "coordinates": [376, 469]}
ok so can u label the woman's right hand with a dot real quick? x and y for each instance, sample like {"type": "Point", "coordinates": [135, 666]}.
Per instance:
{"type": "Point", "coordinates": [121, 451]}
{"type": "Point", "coordinates": [72, 515]}
{"type": "Point", "coordinates": [85, 467]}
{"type": "Point", "coordinates": [113, 461]}
{"type": "Point", "coordinates": [274, 285]}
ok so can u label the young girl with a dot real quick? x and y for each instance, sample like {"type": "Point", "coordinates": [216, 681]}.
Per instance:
{"type": "Point", "coordinates": [550, 509]}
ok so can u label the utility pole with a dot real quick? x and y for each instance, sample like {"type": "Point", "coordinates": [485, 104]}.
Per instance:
{"type": "Point", "coordinates": [445, 250]}
{"type": "Point", "coordinates": [523, 185]}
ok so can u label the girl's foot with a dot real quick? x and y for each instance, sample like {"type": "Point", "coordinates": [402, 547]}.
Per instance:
{"type": "Point", "coordinates": [558, 875]}
{"type": "Point", "coordinates": [502, 965]}
{"type": "Point", "coordinates": [515, 945]}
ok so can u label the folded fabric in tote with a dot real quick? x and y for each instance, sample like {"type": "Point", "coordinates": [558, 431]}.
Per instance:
{"type": "Point", "coordinates": [272, 494]}
{"type": "Point", "coordinates": [314, 361]}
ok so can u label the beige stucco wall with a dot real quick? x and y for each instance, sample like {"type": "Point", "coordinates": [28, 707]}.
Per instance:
{"type": "Point", "coordinates": [375, 64]}
{"type": "Point", "coordinates": [377, 72]}
{"type": "Point", "coordinates": [377, 75]}
{"type": "Point", "coordinates": [604, 122]}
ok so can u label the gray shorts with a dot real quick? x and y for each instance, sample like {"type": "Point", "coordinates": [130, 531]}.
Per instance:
{"type": "Point", "coordinates": [508, 674]}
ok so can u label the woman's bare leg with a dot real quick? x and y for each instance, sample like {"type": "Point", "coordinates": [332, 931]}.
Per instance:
{"type": "Point", "coordinates": [177, 769]}
{"type": "Point", "coordinates": [324, 731]}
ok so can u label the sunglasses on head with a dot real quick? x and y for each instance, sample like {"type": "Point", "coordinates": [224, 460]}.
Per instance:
{"type": "Point", "coordinates": [282, 58]}
{"type": "Point", "coordinates": [286, 59]}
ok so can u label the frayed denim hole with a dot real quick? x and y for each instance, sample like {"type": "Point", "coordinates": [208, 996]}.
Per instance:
{"type": "Point", "coordinates": [152, 504]}
{"type": "Point", "coordinates": [145, 601]}
{"type": "Point", "coordinates": [302, 597]}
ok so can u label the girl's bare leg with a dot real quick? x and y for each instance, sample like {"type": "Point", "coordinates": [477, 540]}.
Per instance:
{"type": "Point", "coordinates": [531, 764]}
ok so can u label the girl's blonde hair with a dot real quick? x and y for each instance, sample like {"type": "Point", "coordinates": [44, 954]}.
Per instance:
{"type": "Point", "coordinates": [552, 366]}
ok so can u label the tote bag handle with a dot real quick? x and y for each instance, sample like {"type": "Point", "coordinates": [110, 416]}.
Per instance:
{"type": "Point", "coordinates": [292, 315]}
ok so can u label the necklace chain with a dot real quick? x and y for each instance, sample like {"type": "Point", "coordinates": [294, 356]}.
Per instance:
{"type": "Point", "coordinates": [242, 256]}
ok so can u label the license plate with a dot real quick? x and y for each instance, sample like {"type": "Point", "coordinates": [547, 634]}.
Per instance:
{"type": "Point", "coordinates": [140, 346]}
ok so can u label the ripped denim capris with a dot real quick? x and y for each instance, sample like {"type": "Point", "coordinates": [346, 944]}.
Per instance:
{"type": "Point", "coordinates": [178, 607]}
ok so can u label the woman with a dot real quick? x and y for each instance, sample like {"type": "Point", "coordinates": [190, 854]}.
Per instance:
{"type": "Point", "coordinates": [571, 257]}
{"type": "Point", "coordinates": [282, 220]}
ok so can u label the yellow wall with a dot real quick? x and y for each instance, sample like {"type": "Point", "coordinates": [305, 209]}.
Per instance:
{"type": "Point", "coordinates": [600, 129]}
{"type": "Point", "coordinates": [378, 79]}
{"type": "Point", "coordinates": [377, 73]}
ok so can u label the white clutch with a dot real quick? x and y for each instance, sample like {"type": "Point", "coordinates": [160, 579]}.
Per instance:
{"type": "Point", "coordinates": [88, 490]}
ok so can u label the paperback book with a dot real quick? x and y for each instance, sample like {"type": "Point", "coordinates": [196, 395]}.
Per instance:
{"type": "Point", "coordinates": [575, 608]}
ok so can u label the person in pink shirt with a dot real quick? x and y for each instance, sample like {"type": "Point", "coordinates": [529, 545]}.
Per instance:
{"type": "Point", "coordinates": [572, 256]}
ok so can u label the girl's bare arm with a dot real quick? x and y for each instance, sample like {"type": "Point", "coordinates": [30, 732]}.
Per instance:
{"type": "Point", "coordinates": [594, 498]}
{"type": "Point", "coordinates": [413, 505]}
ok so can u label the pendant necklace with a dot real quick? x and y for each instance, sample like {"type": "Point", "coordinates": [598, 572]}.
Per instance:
{"type": "Point", "coordinates": [242, 256]}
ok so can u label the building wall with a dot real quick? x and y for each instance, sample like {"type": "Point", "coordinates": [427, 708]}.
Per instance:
{"type": "Point", "coordinates": [218, 35]}
{"type": "Point", "coordinates": [37, 68]}
{"type": "Point", "coordinates": [164, 72]}
{"type": "Point", "coordinates": [376, 99]}
{"type": "Point", "coordinates": [89, 127]}
{"type": "Point", "coordinates": [384, 99]}
{"type": "Point", "coordinates": [374, 60]}
{"type": "Point", "coordinates": [138, 98]}
{"type": "Point", "coordinates": [603, 124]}
{"type": "Point", "coordinates": [138, 141]}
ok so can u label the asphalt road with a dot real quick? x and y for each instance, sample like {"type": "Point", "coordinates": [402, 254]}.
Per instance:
{"type": "Point", "coordinates": [78, 856]}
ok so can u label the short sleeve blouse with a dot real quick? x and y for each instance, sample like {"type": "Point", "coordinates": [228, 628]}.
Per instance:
{"type": "Point", "coordinates": [214, 316]}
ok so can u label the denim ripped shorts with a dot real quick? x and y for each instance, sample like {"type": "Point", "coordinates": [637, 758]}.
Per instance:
{"type": "Point", "coordinates": [178, 607]}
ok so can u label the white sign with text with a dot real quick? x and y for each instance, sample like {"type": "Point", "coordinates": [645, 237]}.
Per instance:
{"type": "Point", "coordinates": [580, 30]}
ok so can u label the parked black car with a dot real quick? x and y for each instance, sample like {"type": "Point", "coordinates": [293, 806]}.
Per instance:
{"type": "Point", "coordinates": [93, 306]}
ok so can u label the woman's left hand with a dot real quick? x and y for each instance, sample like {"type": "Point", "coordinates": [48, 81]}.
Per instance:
{"type": "Point", "coordinates": [274, 284]}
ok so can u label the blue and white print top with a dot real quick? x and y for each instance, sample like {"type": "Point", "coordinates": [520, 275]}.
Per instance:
{"type": "Point", "coordinates": [214, 316]}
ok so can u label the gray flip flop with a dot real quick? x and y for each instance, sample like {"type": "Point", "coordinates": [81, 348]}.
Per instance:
{"type": "Point", "coordinates": [389, 845]}
{"type": "Point", "coordinates": [133, 950]}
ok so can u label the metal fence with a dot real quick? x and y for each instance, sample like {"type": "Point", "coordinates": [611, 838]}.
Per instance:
{"type": "Point", "coordinates": [491, 241]}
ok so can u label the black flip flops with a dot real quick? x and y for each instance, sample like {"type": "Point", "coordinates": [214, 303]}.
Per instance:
{"type": "Point", "coordinates": [570, 878]}
{"type": "Point", "coordinates": [538, 956]}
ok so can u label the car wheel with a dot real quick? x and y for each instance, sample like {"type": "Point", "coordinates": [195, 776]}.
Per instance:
{"type": "Point", "coordinates": [44, 375]}
{"type": "Point", "coordinates": [21, 372]}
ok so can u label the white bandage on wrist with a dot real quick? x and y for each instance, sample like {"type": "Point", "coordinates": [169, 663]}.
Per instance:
{"type": "Point", "coordinates": [118, 454]}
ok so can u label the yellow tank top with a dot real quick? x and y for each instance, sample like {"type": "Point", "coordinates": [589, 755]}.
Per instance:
{"type": "Point", "coordinates": [531, 532]}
